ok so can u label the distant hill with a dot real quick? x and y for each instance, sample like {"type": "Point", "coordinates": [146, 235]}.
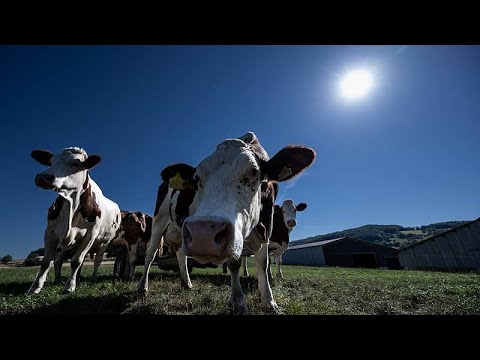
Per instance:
{"type": "Point", "coordinates": [388, 235]}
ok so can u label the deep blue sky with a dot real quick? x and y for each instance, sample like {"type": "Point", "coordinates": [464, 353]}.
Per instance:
{"type": "Point", "coordinates": [407, 154]}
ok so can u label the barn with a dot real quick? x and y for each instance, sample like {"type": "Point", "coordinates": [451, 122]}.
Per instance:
{"type": "Point", "coordinates": [345, 251]}
{"type": "Point", "coordinates": [455, 249]}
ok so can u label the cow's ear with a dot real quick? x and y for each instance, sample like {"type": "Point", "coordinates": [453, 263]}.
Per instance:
{"type": "Point", "coordinates": [92, 160]}
{"type": "Point", "coordinates": [44, 157]}
{"type": "Point", "coordinates": [289, 162]}
{"type": "Point", "coordinates": [179, 177]}
{"type": "Point", "coordinates": [301, 206]}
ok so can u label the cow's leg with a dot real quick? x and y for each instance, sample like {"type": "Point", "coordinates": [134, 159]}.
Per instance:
{"type": "Point", "coordinates": [126, 261]}
{"type": "Point", "coordinates": [245, 265]}
{"type": "Point", "coordinates": [98, 260]}
{"type": "Point", "coordinates": [132, 259]}
{"type": "Point", "coordinates": [155, 244]}
{"type": "Point", "coordinates": [39, 281]}
{"type": "Point", "coordinates": [77, 261]}
{"type": "Point", "coordinates": [119, 270]}
{"type": "Point", "coordinates": [237, 298]}
{"type": "Point", "coordinates": [79, 272]}
{"type": "Point", "coordinates": [278, 261]}
{"type": "Point", "coordinates": [261, 263]}
{"type": "Point", "coordinates": [182, 263]}
{"type": "Point", "coordinates": [224, 265]}
{"type": "Point", "coordinates": [59, 259]}
{"type": "Point", "coordinates": [269, 270]}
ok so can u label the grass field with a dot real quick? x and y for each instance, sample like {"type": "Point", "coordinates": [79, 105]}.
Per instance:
{"type": "Point", "coordinates": [305, 290]}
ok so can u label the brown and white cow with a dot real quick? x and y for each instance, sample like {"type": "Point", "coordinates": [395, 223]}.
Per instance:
{"type": "Point", "coordinates": [225, 212]}
{"type": "Point", "coordinates": [131, 241]}
{"type": "Point", "coordinates": [132, 237]}
{"type": "Point", "coordinates": [81, 215]}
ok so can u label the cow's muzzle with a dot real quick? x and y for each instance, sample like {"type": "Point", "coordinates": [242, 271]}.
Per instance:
{"type": "Point", "coordinates": [291, 223]}
{"type": "Point", "coordinates": [44, 181]}
{"type": "Point", "coordinates": [208, 237]}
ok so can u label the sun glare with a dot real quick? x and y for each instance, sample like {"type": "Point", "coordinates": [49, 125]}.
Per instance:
{"type": "Point", "coordinates": [356, 84]}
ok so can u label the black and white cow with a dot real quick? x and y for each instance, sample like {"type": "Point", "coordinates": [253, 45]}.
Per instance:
{"type": "Point", "coordinates": [284, 220]}
{"type": "Point", "coordinates": [172, 207]}
{"type": "Point", "coordinates": [80, 216]}
{"type": "Point", "coordinates": [223, 214]}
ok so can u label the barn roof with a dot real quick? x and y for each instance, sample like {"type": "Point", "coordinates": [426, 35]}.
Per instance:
{"type": "Point", "coordinates": [330, 241]}
{"type": "Point", "coordinates": [441, 234]}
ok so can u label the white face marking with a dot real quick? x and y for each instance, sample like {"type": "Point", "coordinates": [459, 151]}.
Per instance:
{"type": "Point", "coordinates": [67, 169]}
{"type": "Point", "coordinates": [289, 212]}
{"type": "Point", "coordinates": [229, 188]}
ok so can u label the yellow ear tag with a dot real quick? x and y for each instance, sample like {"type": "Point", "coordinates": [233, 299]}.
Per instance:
{"type": "Point", "coordinates": [176, 182]}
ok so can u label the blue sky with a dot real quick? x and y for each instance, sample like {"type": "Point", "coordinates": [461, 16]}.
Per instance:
{"type": "Point", "coordinates": [406, 154]}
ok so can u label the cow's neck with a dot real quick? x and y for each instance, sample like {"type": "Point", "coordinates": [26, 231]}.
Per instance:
{"type": "Point", "coordinates": [73, 198]}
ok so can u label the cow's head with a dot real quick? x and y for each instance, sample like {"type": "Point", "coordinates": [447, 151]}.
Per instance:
{"type": "Point", "coordinates": [289, 212]}
{"type": "Point", "coordinates": [67, 171]}
{"type": "Point", "coordinates": [228, 194]}
{"type": "Point", "coordinates": [133, 223]}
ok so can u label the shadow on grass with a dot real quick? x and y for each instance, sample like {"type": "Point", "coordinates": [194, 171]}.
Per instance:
{"type": "Point", "coordinates": [111, 304]}
{"type": "Point", "coordinates": [249, 283]}
{"type": "Point", "coordinates": [21, 287]}
{"type": "Point", "coordinates": [14, 288]}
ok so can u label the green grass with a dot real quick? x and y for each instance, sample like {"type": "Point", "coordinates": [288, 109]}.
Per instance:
{"type": "Point", "coordinates": [304, 290]}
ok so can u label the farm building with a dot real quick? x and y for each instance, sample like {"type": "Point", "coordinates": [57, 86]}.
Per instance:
{"type": "Point", "coordinates": [455, 249]}
{"type": "Point", "coordinates": [345, 251]}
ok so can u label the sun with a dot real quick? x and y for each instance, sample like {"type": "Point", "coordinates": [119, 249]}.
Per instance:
{"type": "Point", "coordinates": [356, 84]}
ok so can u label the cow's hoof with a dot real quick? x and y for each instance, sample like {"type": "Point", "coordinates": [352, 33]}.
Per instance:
{"type": "Point", "coordinates": [32, 291]}
{"type": "Point", "coordinates": [273, 308]}
{"type": "Point", "coordinates": [142, 291]}
{"type": "Point", "coordinates": [186, 285]}
{"type": "Point", "coordinates": [239, 309]}
{"type": "Point", "coordinates": [68, 291]}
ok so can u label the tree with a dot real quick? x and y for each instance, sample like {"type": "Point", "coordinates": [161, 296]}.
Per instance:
{"type": "Point", "coordinates": [6, 259]}
{"type": "Point", "coordinates": [33, 258]}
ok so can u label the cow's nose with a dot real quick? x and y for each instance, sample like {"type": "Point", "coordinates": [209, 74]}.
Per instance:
{"type": "Point", "coordinates": [291, 223]}
{"type": "Point", "coordinates": [207, 237]}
